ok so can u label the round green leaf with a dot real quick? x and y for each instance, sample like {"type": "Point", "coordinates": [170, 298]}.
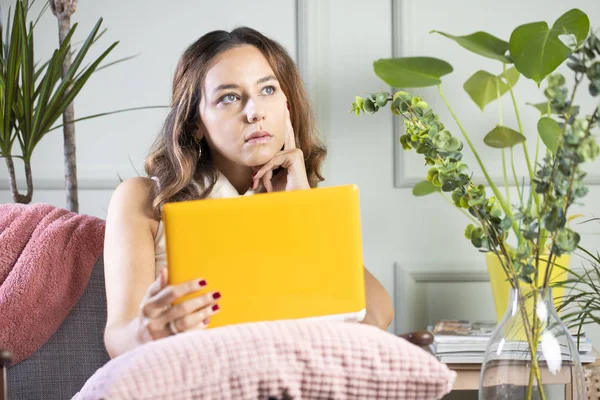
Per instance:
{"type": "Point", "coordinates": [537, 50]}
{"type": "Point", "coordinates": [550, 132]}
{"type": "Point", "coordinates": [483, 87]}
{"type": "Point", "coordinates": [424, 188]}
{"type": "Point", "coordinates": [411, 72]}
{"type": "Point", "coordinates": [482, 43]}
{"type": "Point", "coordinates": [502, 137]}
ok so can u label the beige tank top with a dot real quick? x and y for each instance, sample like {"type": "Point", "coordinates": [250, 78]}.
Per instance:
{"type": "Point", "coordinates": [223, 188]}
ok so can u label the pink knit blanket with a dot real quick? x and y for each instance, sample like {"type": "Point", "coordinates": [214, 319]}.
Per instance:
{"type": "Point", "coordinates": [46, 259]}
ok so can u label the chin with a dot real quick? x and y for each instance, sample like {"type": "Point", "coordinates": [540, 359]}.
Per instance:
{"type": "Point", "coordinates": [260, 157]}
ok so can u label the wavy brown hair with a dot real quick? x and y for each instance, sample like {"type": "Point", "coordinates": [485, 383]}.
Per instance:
{"type": "Point", "coordinates": [174, 157]}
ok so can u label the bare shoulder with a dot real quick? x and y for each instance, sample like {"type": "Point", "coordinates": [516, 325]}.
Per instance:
{"type": "Point", "coordinates": [133, 197]}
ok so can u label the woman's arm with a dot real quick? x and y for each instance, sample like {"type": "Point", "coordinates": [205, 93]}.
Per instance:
{"type": "Point", "coordinates": [380, 310]}
{"type": "Point", "coordinates": [129, 264]}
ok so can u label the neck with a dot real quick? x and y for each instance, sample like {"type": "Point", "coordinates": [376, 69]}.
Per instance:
{"type": "Point", "coordinates": [238, 175]}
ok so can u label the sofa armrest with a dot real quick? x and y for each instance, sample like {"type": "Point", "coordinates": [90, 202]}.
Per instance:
{"type": "Point", "coordinates": [420, 338]}
{"type": "Point", "coordinates": [5, 360]}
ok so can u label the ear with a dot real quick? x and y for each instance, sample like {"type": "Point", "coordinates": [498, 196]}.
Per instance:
{"type": "Point", "coordinates": [200, 131]}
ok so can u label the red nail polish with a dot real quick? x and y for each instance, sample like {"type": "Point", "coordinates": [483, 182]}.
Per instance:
{"type": "Point", "coordinates": [254, 173]}
{"type": "Point", "coordinates": [216, 295]}
{"type": "Point", "coordinates": [215, 307]}
{"type": "Point", "coordinates": [287, 105]}
{"type": "Point", "coordinates": [202, 283]}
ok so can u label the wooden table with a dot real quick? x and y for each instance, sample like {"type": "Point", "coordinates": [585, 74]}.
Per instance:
{"type": "Point", "coordinates": [468, 376]}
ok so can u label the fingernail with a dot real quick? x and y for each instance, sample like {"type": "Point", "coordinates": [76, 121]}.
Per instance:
{"type": "Point", "coordinates": [206, 321]}
{"type": "Point", "coordinates": [287, 105]}
{"type": "Point", "coordinates": [202, 283]}
{"type": "Point", "coordinates": [216, 295]}
{"type": "Point", "coordinates": [254, 173]}
{"type": "Point", "coordinates": [215, 307]}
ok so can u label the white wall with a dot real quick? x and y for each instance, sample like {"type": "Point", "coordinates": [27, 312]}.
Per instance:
{"type": "Point", "coordinates": [439, 274]}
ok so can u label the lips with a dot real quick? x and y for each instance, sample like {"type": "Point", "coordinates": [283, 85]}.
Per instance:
{"type": "Point", "coordinates": [258, 137]}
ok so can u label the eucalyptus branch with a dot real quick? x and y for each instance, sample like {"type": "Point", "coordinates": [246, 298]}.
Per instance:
{"type": "Point", "coordinates": [505, 207]}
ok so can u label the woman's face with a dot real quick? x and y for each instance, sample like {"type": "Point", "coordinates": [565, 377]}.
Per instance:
{"type": "Point", "coordinates": [243, 109]}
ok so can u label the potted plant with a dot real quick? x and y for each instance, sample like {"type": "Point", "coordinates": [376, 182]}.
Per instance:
{"type": "Point", "coordinates": [34, 94]}
{"type": "Point", "coordinates": [523, 243]}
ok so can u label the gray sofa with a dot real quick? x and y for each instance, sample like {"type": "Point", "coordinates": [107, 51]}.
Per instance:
{"type": "Point", "coordinates": [60, 367]}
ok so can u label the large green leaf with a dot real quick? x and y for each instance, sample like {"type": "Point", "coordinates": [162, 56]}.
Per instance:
{"type": "Point", "coordinates": [502, 137]}
{"type": "Point", "coordinates": [483, 87]}
{"type": "Point", "coordinates": [482, 43]}
{"type": "Point", "coordinates": [550, 132]}
{"type": "Point", "coordinates": [537, 50]}
{"type": "Point", "coordinates": [424, 188]}
{"type": "Point", "coordinates": [411, 72]}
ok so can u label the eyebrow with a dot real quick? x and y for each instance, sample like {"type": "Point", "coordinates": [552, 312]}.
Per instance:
{"type": "Point", "coordinates": [234, 86]}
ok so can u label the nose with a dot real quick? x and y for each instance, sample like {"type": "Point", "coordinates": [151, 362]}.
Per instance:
{"type": "Point", "coordinates": [254, 112]}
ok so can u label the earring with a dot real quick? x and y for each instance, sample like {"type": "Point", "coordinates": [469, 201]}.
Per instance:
{"type": "Point", "coordinates": [199, 147]}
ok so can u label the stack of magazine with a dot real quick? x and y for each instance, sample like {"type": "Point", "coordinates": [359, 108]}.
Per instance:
{"type": "Point", "coordinates": [464, 342]}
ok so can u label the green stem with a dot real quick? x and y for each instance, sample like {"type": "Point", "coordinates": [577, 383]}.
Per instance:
{"type": "Point", "coordinates": [499, 197]}
{"type": "Point", "coordinates": [459, 208]}
{"type": "Point", "coordinates": [514, 171]}
{"type": "Point", "coordinates": [505, 176]}
{"type": "Point", "coordinates": [525, 151]}
{"type": "Point", "coordinates": [503, 150]}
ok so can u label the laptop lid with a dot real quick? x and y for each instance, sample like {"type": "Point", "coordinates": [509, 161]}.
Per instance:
{"type": "Point", "coordinates": [282, 255]}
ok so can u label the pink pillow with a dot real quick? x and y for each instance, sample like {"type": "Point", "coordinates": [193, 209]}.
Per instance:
{"type": "Point", "coordinates": [296, 359]}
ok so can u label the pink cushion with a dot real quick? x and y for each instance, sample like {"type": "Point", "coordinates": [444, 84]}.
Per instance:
{"type": "Point", "coordinates": [298, 359]}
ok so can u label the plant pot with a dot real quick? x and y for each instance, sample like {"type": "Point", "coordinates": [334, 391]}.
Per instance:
{"type": "Point", "coordinates": [501, 287]}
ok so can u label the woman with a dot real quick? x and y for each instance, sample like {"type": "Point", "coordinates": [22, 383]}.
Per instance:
{"type": "Point", "coordinates": [240, 123]}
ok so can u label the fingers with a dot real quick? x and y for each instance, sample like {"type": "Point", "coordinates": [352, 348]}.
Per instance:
{"type": "Point", "coordinates": [284, 159]}
{"type": "Point", "coordinates": [189, 307]}
{"type": "Point", "coordinates": [159, 283]}
{"type": "Point", "coordinates": [198, 319]}
{"type": "Point", "coordinates": [160, 301]}
{"type": "Point", "coordinates": [266, 180]}
{"type": "Point", "coordinates": [290, 141]}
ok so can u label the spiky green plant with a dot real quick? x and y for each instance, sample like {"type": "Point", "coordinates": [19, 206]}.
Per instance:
{"type": "Point", "coordinates": [32, 94]}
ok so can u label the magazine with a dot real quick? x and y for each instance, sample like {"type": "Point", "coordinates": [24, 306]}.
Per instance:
{"type": "Point", "coordinates": [461, 341]}
{"type": "Point", "coordinates": [453, 331]}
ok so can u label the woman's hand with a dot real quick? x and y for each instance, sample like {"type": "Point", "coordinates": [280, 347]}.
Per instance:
{"type": "Point", "coordinates": [291, 162]}
{"type": "Point", "coordinates": [158, 319]}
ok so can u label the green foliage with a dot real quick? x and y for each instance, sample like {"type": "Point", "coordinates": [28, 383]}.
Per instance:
{"type": "Point", "coordinates": [537, 50]}
{"type": "Point", "coordinates": [411, 71]}
{"type": "Point", "coordinates": [33, 96]}
{"type": "Point", "coordinates": [502, 137]}
{"type": "Point", "coordinates": [484, 44]}
{"type": "Point", "coordinates": [581, 304]}
{"type": "Point", "coordinates": [556, 183]}
{"type": "Point", "coordinates": [550, 133]}
{"type": "Point", "coordinates": [31, 106]}
{"type": "Point", "coordinates": [424, 188]}
{"type": "Point", "coordinates": [483, 87]}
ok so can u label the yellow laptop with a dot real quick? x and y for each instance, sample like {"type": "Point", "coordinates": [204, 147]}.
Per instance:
{"type": "Point", "coordinates": [273, 256]}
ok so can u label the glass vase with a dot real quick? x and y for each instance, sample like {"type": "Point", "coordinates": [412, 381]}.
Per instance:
{"type": "Point", "coordinates": [531, 327]}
